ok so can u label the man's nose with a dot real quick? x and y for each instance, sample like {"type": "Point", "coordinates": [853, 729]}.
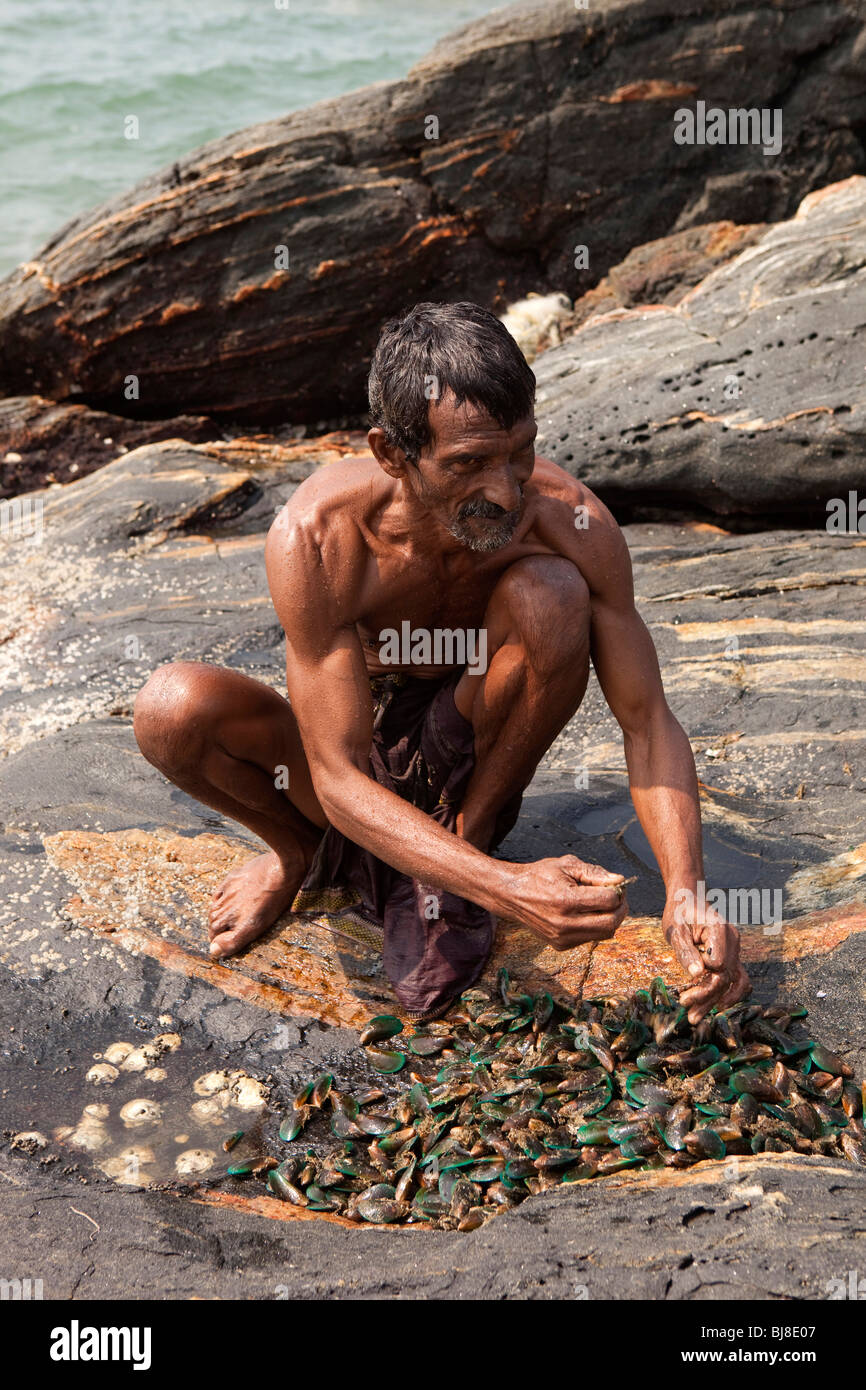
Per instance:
{"type": "Point", "coordinates": [505, 490]}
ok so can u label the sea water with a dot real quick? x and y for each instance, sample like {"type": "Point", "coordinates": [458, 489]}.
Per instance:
{"type": "Point", "coordinates": [73, 71]}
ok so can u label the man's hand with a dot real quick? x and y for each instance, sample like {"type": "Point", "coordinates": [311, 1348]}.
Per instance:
{"type": "Point", "coordinates": [708, 949]}
{"type": "Point", "coordinates": [567, 902]}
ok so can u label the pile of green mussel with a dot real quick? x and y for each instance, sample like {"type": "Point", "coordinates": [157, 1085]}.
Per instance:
{"type": "Point", "coordinates": [513, 1094]}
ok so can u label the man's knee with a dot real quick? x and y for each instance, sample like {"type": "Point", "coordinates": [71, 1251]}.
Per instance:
{"type": "Point", "coordinates": [165, 715]}
{"type": "Point", "coordinates": [546, 599]}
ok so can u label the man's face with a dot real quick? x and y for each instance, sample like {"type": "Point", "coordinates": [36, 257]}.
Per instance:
{"type": "Point", "coordinates": [472, 474]}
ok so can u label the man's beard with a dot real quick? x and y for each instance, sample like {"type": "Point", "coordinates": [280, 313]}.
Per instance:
{"type": "Point", "coordinates": [493, 537]}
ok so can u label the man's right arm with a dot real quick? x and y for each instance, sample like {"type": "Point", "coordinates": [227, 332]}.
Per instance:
{"type": "Point", "coordinates": [563, 900]}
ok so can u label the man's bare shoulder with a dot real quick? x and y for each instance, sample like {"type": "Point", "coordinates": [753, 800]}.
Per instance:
{"type": "Point", "coordinates": [574, 520]}
{"type": "Point", "coordinates": [349, 484]}
{"type": "Point", "coordinates": [553, 481]}
{"type": "Point", "coordinates": [321, 531]}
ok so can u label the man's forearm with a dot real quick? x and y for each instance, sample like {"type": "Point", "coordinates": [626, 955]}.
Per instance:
{"type": "Point", "coordinates": [664, 789]}
{"type": "Point", "coordinates": [410, 841]}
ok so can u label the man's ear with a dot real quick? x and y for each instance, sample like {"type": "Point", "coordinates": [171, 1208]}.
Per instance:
{"type": "Point", "coordinates": [388, 456]}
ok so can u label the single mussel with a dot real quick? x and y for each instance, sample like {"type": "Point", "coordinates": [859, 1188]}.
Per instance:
{"type": "Point", "coordinates": [659, 994]}
{"type": "Point", "coordinates": [285, 1189]}
{"type": "Point", "coordinates": [487, 1171]}
{"type": "Point", "coordinates": [293, 1123]}
{"type": "Point", "coordinates": [580, 1171]}
{"type": "Point", "coordinates": [404, 1183]}
{"type": "Point", "coordinates": [677, 1125]}
{"type": "Point", "coordinates": [375, 1125]}
{"type": "Point", "coordinates": [379, 1028]}
{"type": "Point", "coordinates": [829, 1061]}
{"type": "Point", "coordinates": [242, 1169]}
{"type": "Point", "coordinates": [697, 1059]}
{"type": "Point", "coordinates": [426, 1045]}
{"type": "Point", "coordinates": [853, 1149]}
{"type": "Point", "coordinates": [614, 1161]}
{"type": "Point", "coordinates": [639, 1146]}
{"type": "Point", "coordinates": [627, 1129]}
{"type": "Point", "coordinates": [557, 1159]}
{"type": "Point", "coordinates": [302, 1098]}
{"type": "Point", "coordinates": [381, 1210]}
{"type": "Point", "coordinates": [346, 1104]}
{"type": "Point", "coordinates": [370, 1096]}
{"type": "Point", "coordinates": [343, 1127]}
{"type": "Point", "coordinates": [597, 1099]}
{"type": "Point", "coordinates": [596, 1133]}
{"type": "Point", "coordinates": [750, 1081]}
{"type": "Point", "coordinates": [705, 1143]}
{"type": "Point", "coordinates": [321, 1089]}
{"type": "Point", "coordinates": [431, 1203]}
{"type": "Point", "coordinates": [642, 1090]}
{"type": "Point", "coordinates": [384, 1060]}
{"type": "Point", "coordinates": [542, 1008]}
{"type": "Point", "coordinates": [392, 1143]}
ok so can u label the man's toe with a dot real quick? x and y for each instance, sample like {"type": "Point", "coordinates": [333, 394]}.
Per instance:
{"type": "Point", "coordinates": [223, 944]}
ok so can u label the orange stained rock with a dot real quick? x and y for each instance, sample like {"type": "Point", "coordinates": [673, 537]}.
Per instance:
{"type": "Point", "coordinates": [176, 310]}
{"type": "Point", "coordinates": [148, 892]}
{"type": "Point", "coordinates": [276, 1210]}
{"type": "Point", "coordinates": [718, 1171]}
{"type": "Point", "coordinates": [434, 228]}
{"type": "Point", "coordinates": [324, 268]}
{"type": "Point", "coordinates": [651, 89]}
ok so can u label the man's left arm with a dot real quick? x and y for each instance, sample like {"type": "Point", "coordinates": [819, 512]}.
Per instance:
{"type": "Point", "coordinates": [662, 776]}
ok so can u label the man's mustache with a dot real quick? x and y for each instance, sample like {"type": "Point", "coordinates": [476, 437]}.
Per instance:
{"type": "Point", "coordinates": [490, 511]}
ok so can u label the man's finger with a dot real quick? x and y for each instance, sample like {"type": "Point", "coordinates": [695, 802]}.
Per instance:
{"type": "Point", "coordinates": [740, 988]}
{"type": "Point", "coordinates": [589, 929]}
{"type": "Point", "coordinates": [592, 874]}
{"type": "Point", "coordinates": [701, 998]}
{"type": "Point", "coordinates": [606, 898]}
{"type": "Point", "coordinates": [687, 952]}
{"type": "Point", "coordinates": [713, 942]}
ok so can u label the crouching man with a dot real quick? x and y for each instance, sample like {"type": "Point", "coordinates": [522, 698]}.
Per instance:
{"type": "Point", "coordinates": [441, 609]}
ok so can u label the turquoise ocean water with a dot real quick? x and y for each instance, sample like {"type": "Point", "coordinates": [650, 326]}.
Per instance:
{"type": "Point", "coordinates": [190, 70]}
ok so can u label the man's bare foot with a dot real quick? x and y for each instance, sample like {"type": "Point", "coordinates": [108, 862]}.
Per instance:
{"type": "Point", "coordinates": [250, 900]}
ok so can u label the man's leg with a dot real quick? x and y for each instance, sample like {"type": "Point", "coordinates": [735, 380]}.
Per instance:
{"type": "Point", "coordinates": [223, 738]}
{"type": "Point", "coordinates": [538, 631]}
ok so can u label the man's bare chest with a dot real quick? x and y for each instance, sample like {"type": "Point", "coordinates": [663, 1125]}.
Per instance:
{"type": "Point", "coordinates": [430, 609]}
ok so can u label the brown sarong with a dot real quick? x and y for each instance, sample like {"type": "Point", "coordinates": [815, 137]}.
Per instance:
{"type": "Point", "coordinates": [435, 944]}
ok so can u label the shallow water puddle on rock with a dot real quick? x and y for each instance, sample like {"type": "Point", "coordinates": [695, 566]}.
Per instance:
{"type": "Point", "coordinates": [140, 1110]}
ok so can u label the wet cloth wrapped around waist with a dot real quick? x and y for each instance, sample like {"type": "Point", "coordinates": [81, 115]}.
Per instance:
{"type": "Point", "coordinates": [435, 944]}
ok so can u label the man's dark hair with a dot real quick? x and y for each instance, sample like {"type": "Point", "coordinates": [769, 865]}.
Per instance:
{"type": "Point", "coordinates": [462, 347]}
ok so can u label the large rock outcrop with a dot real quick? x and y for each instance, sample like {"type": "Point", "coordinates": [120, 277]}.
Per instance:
{"type": "Point", "coordinates": [747, 396]}
{"type": "Point", "coordinates": [106, 872]}
{"type": "Point", "coordinates": [555, 130]}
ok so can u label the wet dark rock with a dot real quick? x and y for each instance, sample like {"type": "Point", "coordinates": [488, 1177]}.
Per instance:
{"type": "Point", "coordinates": [746, 397]}
{"type": "Point", "coordinates": [555, 129]}
{"type": "Point", "coordinates": [42, 443]}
